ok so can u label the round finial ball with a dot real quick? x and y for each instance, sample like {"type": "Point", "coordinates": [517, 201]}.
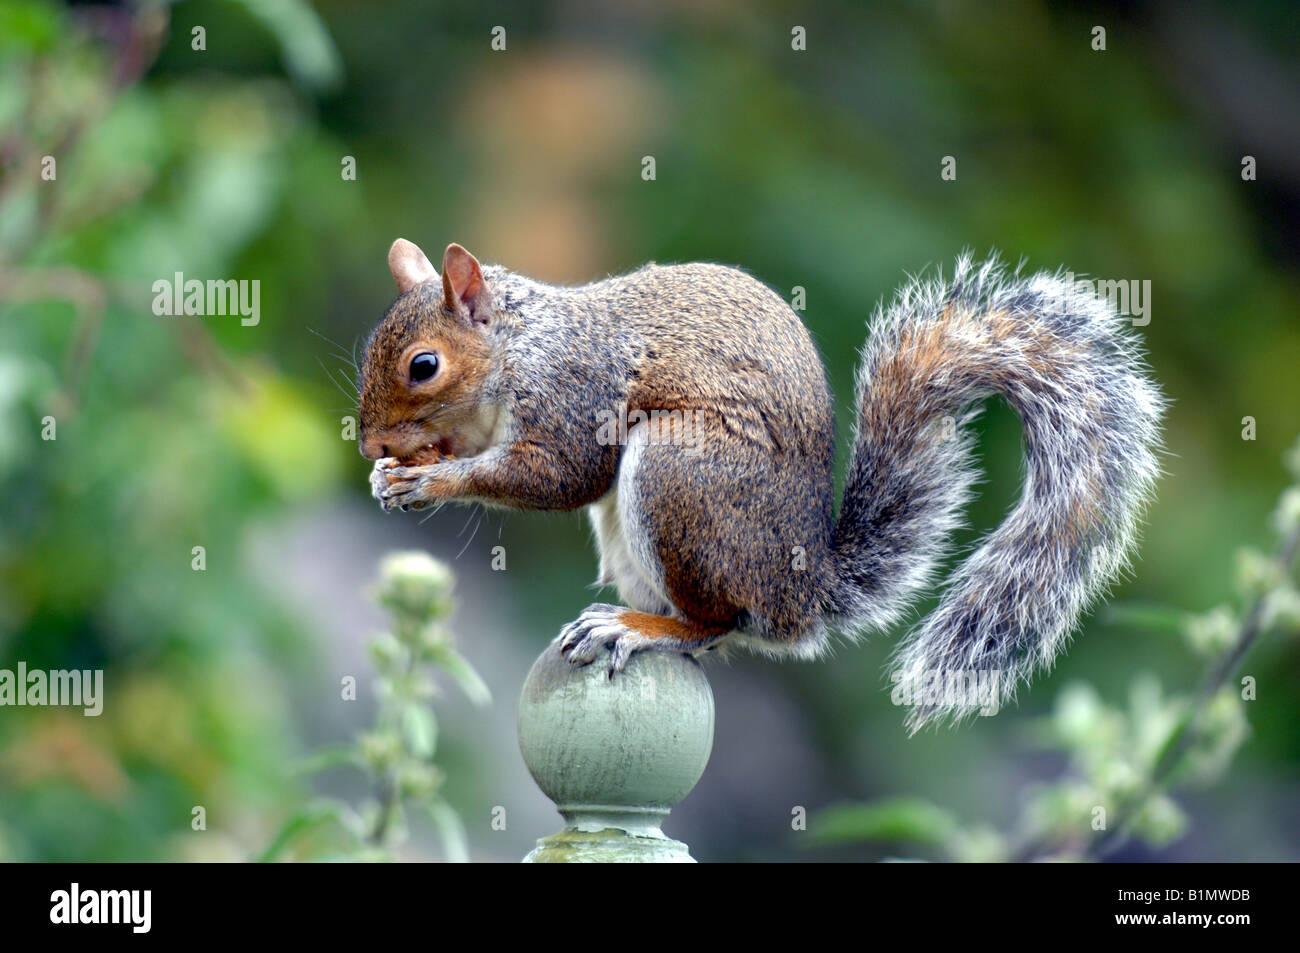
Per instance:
{"type": "Point", "coordinates": [638, 740]}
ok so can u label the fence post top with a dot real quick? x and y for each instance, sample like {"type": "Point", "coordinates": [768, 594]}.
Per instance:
{"type": "Point", "coordinates": [615, 755]}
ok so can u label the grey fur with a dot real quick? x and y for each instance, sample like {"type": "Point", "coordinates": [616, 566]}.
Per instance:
{"type": "Point", "coordinates": [1067, 363]}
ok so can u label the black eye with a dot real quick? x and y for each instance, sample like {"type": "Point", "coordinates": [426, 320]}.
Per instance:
{"type": "Point", "coordinates": [423, 366]}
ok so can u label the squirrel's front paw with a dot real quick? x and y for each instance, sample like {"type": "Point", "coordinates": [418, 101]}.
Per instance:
{"type": "Point", "coordinates": [400, 488]}
{"type": "Point", "coordinates": [599, 627]}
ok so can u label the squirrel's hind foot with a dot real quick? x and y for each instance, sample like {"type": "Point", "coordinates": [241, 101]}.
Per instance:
{"type": "Point", "coordinates": [599, 627]}
{"type": "Point", "coordinates": [625, 632]}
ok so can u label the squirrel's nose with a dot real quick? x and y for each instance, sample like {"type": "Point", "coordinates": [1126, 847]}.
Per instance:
{"type": "Point", "coordinates": [372, 449]}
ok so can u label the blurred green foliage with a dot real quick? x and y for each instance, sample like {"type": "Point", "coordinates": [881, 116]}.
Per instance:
{"type": "Point", "coordinates": [171, 433]}
{"type": "Point", "coordinates": [817, 169]}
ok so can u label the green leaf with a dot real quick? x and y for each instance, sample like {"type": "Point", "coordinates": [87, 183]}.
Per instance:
{"type": "Point", "coordinates": [450, 831]}
{"type": "Point", "coordinates": [1220, 731]}
{"type": "Point", "coordinates": [456, 665]}
{"type": "Point", "coordinates": [1160, 821]}
{"type": "Point", "coordinates": [1153, 720]}
{"type": "Point", "coordinates": [890, 820]}
{"type": "Point", "coordinates": [1173, 737]}
{"type": "Point", "coordinates": [309, 52]}
{"type": "Point", "coordinates": [334, 756]}
{"type": "Point", "coordinates": [308, 818]}
{"type": "Point", "coordinates": [420, 730]}
{"type": "Point", "coordinates": [1145, 615]}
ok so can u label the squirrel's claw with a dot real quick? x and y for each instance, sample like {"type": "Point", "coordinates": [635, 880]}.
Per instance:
{"type": "Point", "coordinates": [582, 639]}
{"type": "Point", "coordinates": [599, 627]}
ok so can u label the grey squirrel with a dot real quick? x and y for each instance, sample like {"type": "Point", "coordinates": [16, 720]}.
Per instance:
{"type": "Point", "coordinates": [718, 524]}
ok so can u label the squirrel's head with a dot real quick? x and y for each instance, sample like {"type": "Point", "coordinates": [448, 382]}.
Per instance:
{"type": "Point", "coordinates": [426, 364]}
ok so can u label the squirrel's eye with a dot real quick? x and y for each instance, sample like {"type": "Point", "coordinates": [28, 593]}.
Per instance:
{"type": "Point", "coordinates": [423, 366]}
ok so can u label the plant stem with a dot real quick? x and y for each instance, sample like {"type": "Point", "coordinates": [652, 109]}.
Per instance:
{"type": "Point", "coordinates": [388, 792]}
{"type": "Point", "coordinates": [1218, 675]}
{"type": "Point", "coordinates": [387, 803]}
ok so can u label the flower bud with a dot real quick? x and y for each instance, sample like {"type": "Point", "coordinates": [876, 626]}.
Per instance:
{"type": "Point", "coordinates": [1256, 573]}
{"type": "Point", "coordinates": [419, 781]}
{"type": "Point", "coordinates": [379, 750]}
{"type": "Point", "coordinates": [1292, 459]}
{"type": "Point", "coordinates": [1287, 516]}
{"type": "Point", "coordinates": [1222, 730]}
{"type": "Point", "coordinates": [386, 652]}
{"type": "Point", "coordinates": [1282, 610]}
{"type": "Point", "coordinates": [1161, 821]}
{"type": "Point", "coordinates": [1212, 632]}
{"type": "Point", "coordinates": [414, 586]}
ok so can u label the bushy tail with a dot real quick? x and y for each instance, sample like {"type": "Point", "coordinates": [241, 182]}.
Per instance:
{"type": "Point", "coordinates": [1067, 363]}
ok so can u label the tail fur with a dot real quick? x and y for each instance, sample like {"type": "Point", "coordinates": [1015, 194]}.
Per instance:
{"type": "Point", "coordinates": [1070, 367]}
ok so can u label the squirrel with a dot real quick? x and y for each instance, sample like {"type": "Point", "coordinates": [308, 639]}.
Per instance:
{"type": "Point", "coordinates": [712, 495]}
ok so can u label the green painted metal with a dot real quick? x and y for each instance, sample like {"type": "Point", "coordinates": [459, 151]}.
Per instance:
{"type": "Point", "coordinates": [615, 755]}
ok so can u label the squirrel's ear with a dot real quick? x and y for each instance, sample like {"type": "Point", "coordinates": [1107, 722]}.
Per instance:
{"type": "Point", "coordinates": [409, 265]}
{"type": "Point", "coordinates": [462, 284]}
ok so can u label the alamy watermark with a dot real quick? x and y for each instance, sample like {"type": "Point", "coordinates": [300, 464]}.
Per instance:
{"type": "Point", "coordinates": [215, 297]}
{"type": "Point", "coordinates": [679, 428]}
{"type": "Point", "coordinates": [63, 688]}
{"type": "Point", "coordinates": [956, 689]}
{"type": "Point", "coordinates": [1130, 297]}
{"type": "Point", "coordinates": [75, 905]}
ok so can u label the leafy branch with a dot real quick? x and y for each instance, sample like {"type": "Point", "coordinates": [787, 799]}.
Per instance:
{"type": "Point", "coordinates": [397, 753]}
{"type": "Point", "coordinates": [1123, 763]}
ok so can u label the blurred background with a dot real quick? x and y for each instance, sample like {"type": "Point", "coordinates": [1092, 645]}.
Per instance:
{"type": "Point", "coordinates": [816, 168]}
